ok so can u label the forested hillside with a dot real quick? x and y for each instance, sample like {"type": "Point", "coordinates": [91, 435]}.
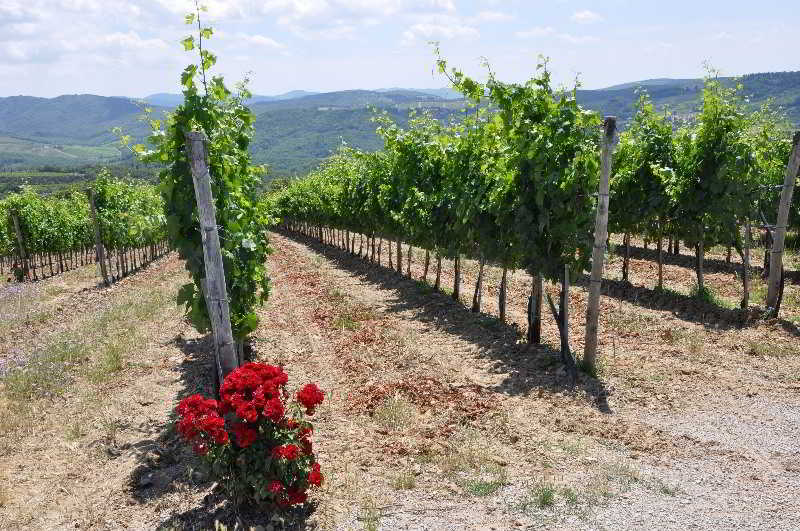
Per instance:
{"type": "Point", "coordinates": [294, 131]}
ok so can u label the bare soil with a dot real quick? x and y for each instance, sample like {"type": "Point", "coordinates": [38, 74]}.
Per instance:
{"type": "Point", "coordinates": [435, 418]}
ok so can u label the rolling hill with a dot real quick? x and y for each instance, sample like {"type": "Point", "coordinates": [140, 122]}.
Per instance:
{"type": "Point", "coordinates": [294, 131]}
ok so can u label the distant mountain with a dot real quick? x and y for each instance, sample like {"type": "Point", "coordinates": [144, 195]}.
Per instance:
{"type": "Point", "coordinates": [659, 82]}
{"type": "Point", "coordinates": [444, 93]}
{"type": "Point", "coordinates": [294, 131]}
{"type": "Point", "coordinates": [173, 100]}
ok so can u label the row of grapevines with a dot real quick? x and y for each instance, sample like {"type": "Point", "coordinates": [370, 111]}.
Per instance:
{"type": "Point", "coordinates": [514, 186]}
{"type": "Point", "coordinates": [512, 183]}
{"type": "Point", "coordinates": [130, 216]}
{"type": "Point", "coordinates": [700, 182]}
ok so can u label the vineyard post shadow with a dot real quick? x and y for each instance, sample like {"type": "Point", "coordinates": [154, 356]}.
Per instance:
{"type": "Point", "coordinates": [214, 289]}
{"type": "Point", "coordinates": [776, 260]}
{"type": "Point", "coordinates": [599, 250]}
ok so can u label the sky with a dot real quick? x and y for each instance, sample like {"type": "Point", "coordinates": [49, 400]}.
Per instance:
{"type": "Point", "coordinates": [131, 48]}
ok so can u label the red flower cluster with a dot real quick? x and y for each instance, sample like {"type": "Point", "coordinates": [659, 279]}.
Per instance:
{"type": "Point", "coordinates": [315, 477]}
{"type": "Point", "coordinates": [287, 451]}
{"type": "Point", "coordinates": [245, 435]}
{"type": "Point", "coordinates": [253, 390]}
{"type": "Point", "coordinates": [201, 421]}
{"type": "Point", "coordinates": [310, 396]}
{"type": "Point", "coordinates": [260, 433]}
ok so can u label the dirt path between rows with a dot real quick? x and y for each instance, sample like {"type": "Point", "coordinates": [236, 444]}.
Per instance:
{"type": "Point", "coordinates": [435, 418]}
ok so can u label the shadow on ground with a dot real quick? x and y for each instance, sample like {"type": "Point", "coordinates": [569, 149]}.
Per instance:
{"type": "Point", "coordinates": [710, 265]}
{"type": "Point", "coordinates": [528, 368]}
{"type": "Point", "coordinates": [166, 465]}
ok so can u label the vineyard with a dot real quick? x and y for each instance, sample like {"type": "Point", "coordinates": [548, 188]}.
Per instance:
{"type": "Point", "coordinates": [122, 223]}
{"type": "Point", "coordinates": [599, 376]}
{"type": "Point", "coordinates": [517, 188]}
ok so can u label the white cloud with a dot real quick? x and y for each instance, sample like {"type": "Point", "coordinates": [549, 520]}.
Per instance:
{"type": "Point", "coordinates": [535, 32]}
{"type": "Point", "coordinates": [547, 31]}
{"type": "Point", "coordinates": [491, 16]}
{"type": "Point", "coordinates": [260, 40]}
{"type": "Point", "coordinates": [722, 36]}
{"type": "Point", "coordinates": [437, 27]}
{"type": "Point", "coordinates": [586, 17]}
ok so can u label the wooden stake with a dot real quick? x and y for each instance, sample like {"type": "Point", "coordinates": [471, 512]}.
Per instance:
{"type": "Point", "coordinates": [98, 240]}
{"type": "Point", "coordinates": [216, 296]}
{"type": "Point", "coordinates": [779, 236]}
{"type": "Point", "coordinates": [746, 267]}
{"type": "Point", "coordinates": [599, 251]}
{"type": "Point", "coordinates": [477, 296]}
{"type": "Point", "coordinates": [23, 257]}
{"type": "Point", "coordinates": [501, 302]}
{"type": "Point", "coordinates": [457, 278]}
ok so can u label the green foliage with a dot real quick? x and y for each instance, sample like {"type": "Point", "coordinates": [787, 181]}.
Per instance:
{"type": "Point", "coordinates": [513, 187]}
{"type": "Point", "coordinates": [228, 124]}
{"type": "Point", "coordinates": [130, 215]}
{"type": "Point", "coordinates": [47, 224]}
{"type": "Point", "coordinates": [712, 187]}
{"type": "Point", "coordinates": [644, 161]}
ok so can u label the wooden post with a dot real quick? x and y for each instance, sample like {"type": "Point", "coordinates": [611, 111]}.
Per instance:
{"type": "Point", "coordinates": [457, 278]}
{"type": "Point", "coordinates": [477, 296]}
{"type": "Point", "coordinates": [599, 251]}
{"type": "Point", "coordinates": [501, 301]}
{"type": "Point", "coordinates": [23, 258]}
{"type": "Point", "coordinates": [98, 241]}
{"type": "Point", "coordinates": [746, 267]}
{"type": "Point", "coordinates": [535, 310]}
{"type": "Point", "coordinates": [216, 292]}
{"type": "Point", "coordinates": [779, 236]}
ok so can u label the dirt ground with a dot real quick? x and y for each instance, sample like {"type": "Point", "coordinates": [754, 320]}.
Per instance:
{"type": "Point", "coordinates": [435, 418]}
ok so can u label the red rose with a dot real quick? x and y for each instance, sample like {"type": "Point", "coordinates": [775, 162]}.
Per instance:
{"type": "Point", "coordinates": [275, 487]}
{"type": "Point", "coordinates": [274, 410]}
{"type": "Point", "coordinates": [245, 435]}
{"type": "Point", "coordinates": [315, 477]}
{"type": "Point", "coordinates": [287, 451]}
{"type": "Point", "coordinates": [310, 396]}
{"type": "Point", "coordinates": [296, 496]}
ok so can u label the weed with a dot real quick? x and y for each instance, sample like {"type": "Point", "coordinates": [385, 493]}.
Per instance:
{"type": "Point", "coordinates": [773, 349]}
{"type": "Point", "coordinates": [544, 495]}
{"type": "Point", "coordinates": [480, 487]}
{"type": "Point", "coordinates": [370, 515]}
{"type": "Point", "coordinates": [75, 431]}
{"type": "Point", "coordinates": [405, 480]}
{"type": "Point", "coordinates": [570, 496]}
{"type": "Point", "coordinates": [111, 361]}
{"type": "Point", "coordinates": [660, 486]}
{"type": "Point", "coordinates": [345, 322]}
{"type": "Point", "coordinates": [395, 413]}
{"type": "Point", "coordinates": [707, 295]}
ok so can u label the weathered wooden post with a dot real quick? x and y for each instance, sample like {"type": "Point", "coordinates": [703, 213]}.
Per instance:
{"type": "Point", "coordinates": [599, 251]}
{"type": "Point", "coordinates": [746, 267]}
{"type": "Point", "coordinates": [23, 256]}
{"type": "Point", "coordinates": [779, 235]}
{"type": "Point", "coordinates": [215, 291]}
{"type": "Point", "coordinates": [98, 240]}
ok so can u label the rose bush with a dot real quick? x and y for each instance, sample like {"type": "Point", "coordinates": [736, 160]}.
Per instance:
{"type": "Point", "coordinates": [256, 440]}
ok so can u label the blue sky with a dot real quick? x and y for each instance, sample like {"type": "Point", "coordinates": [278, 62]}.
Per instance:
{"type": "Point", "coordinates": [129, 48]}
